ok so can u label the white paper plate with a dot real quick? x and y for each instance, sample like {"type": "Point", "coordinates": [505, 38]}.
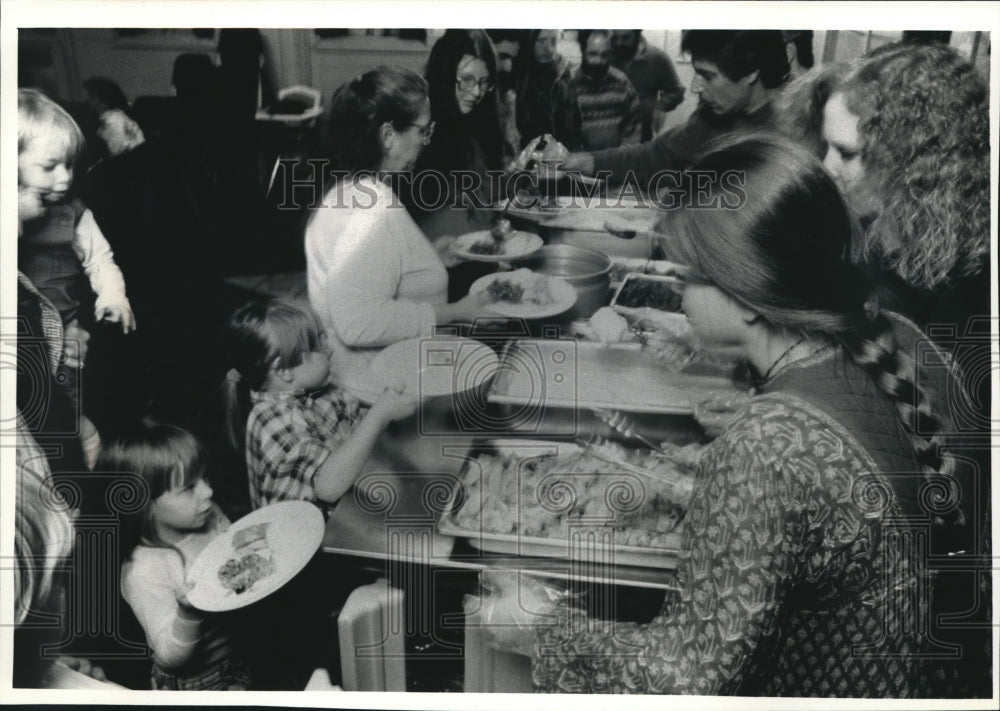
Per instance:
{"type": "Point", "coordinates": [432, 367]}
{"type": "Point", "coordinates": [563, 294]}
{"type": "Point", "coordinates": [516, 244]}
{"type": "Point", "coordinates": [294, 533]}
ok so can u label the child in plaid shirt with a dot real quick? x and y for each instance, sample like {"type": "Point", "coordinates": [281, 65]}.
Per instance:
{"type": "Point", "coordinates": [305, 438]}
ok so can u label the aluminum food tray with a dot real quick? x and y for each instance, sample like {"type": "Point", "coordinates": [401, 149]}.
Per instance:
{"type": "Point", "coordinates": [545, 373]}
{"type": "Point", "coordinates": [588, 550]}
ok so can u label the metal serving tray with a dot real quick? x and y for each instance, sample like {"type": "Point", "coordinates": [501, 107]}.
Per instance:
{"type": "Point", "coordinates": [545, 373]}
{"type": "Point", "coordinates": [589, 547]}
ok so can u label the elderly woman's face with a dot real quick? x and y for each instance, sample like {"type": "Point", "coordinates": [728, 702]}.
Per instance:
{"type": "Point", "coordinates": [843, 155]}
{"type": "Point", "coordinates": [406, 143]}
{"type": "Point", "coordinates": [472, 82]}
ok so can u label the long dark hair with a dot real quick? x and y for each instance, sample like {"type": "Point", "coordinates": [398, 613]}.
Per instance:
{"type": "Point", "coordinates": [360, 107]}
{"type": "Point", "coordinates": [482, 124]}
{"type": "Point", "coordinates": [783, 249]}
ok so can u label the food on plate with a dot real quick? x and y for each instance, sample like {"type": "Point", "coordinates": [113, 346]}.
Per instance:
{"type": "Point", "coordinates": [547, 496]}
{"type": "Point", "coordinates": [252, 560]}
{"type": "Point", "coordinates": [486, 246]}
{"type": "Point", "coordinates": [609, 326]}
{"type": "Point", "coordinates": [522, 287]}
{"type": "Point", "coordinates": [638, 291]}
{"type": "Point", "coordinates": [505, 290]}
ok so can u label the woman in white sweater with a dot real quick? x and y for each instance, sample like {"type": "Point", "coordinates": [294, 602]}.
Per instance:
{"type": "Point", "coordinates": [373, 276]}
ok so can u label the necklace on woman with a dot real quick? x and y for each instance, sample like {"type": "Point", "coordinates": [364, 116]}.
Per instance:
{"type": "Point", "coordinates": [784, 354]}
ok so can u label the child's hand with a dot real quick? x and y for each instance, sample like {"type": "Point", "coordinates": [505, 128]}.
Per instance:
{"type": "Point", "coordinates": [74, 345]}
{"type": "Point", "coordinates": [186, 609]}
{"type": "Point", "coordinates": [115, 311]}
{"type": "Point", "coordinates": [395, 403]}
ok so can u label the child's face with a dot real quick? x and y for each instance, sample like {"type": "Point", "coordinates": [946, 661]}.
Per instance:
{"type": "Point", "coordinates": [182, 510]}
{"type": "Point", "coordinates": [45, 166]}
{"type": "Point", "coordinates": [313, 372]}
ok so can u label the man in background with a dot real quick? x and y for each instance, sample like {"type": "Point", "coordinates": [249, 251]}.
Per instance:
{"type": "Point", "coordinates": [609, 106]}
{"type": "Point", "coordinates": [737, 75]}
{"type": "Point", "coordinates": [652, 75]}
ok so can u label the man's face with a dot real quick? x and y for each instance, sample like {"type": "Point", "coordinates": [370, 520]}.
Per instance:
{"type": "Point", "coordinates": [506, 52]}
{"type": "Point", "coordinates": [722, 95]}
{"type": "Point", "coordinates": [624, 44]}
{"type": "Point", "coordinates": [597, 56]}
{"type": "Point", "coordinates": [545, 46]}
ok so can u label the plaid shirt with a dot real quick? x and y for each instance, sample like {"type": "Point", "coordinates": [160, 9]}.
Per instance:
{"type": "Point", "coordinates": [52, 327]}
{"type": "Point", "coordinates": [289, 436]}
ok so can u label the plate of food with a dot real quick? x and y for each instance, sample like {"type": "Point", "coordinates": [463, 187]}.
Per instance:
{"type": "Point", "coordinates": [483, 247]}
{"type": "Point", "coordinates": [256, 556]}
{"type": "Point", "coordinates": [523, 293]}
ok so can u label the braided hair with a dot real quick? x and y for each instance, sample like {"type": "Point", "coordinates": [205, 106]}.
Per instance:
{"type": "Point", "coordinates": [780, 244]}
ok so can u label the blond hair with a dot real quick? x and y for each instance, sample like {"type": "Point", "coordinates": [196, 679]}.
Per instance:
{"type": "Point", "coordinates": [38, 116]}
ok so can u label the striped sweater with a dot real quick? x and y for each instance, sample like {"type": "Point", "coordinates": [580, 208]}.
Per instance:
{"type": "Point", "coordinates": [610, 109]}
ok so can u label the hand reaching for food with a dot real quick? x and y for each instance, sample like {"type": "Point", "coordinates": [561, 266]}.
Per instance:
{"type": "Point", "coordinates": [542, 154]}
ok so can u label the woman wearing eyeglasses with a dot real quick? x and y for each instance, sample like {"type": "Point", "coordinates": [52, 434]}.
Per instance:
{"type": "Point", "coordinates": [461, 77]}
{"type": "Point", "coordinates": [373, 276]}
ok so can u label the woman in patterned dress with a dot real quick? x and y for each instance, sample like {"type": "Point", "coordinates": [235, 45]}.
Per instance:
{"type": "Point", "coordinates": [804, 565]}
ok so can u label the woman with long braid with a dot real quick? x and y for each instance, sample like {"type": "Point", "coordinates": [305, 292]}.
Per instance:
{"type": "Point", "coordinates": [803, 567]}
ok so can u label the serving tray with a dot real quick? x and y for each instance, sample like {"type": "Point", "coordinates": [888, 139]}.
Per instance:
{"type": "Point", "coordinates": [590, 543]}
{"type": "Point", "coordinates": [548, 373]}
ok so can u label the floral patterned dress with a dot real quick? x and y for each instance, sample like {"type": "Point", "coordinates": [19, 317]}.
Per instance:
{"type": "Point", "coordinates": [801, 572]}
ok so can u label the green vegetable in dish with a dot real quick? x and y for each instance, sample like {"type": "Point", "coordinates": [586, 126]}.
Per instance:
{"type": "Point", "coordinates": [653, 293]}
{"type": "Point", "coordinates": [505, 290]}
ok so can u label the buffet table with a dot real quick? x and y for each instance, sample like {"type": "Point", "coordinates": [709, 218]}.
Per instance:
{"type": "Point", "coordinates": [397, 522]}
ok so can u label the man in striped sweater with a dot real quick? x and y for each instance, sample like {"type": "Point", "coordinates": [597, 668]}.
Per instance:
{"type": "Point", "coordinates": [609, 104]}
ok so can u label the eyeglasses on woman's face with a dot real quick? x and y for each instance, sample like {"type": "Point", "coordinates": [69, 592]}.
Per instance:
{"type": "Point", "coordinates": [426, 130]}
{"type": "Point", "coordinates": [467, 82]}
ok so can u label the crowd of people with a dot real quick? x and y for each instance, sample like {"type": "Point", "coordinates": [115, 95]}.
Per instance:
{"type": "Point", "coordinates": [862, 241]}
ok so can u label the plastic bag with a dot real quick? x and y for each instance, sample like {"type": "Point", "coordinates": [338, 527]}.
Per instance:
{"type": "Point", "coordinates": [513, 605]}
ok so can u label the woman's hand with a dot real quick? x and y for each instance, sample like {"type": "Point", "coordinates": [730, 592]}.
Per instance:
{"type": "Point", "coordinates": [74, 345]}
{"type": "Point", "coordinates": [442, 245]}
{"type": "Point", "coordinates": [465, 310]}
